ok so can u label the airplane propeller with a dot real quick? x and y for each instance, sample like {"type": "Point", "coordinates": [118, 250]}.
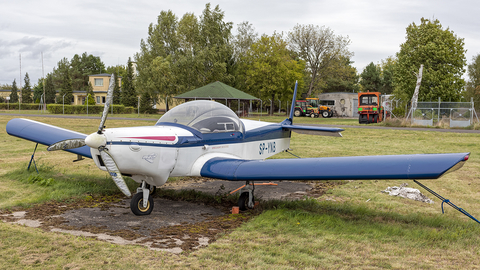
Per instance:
{"type": "Point", "coordinates": [98, 141]}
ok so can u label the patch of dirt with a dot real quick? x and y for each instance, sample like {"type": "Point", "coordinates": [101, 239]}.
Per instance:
{"type": "Point", "coordinates": [175, 226]}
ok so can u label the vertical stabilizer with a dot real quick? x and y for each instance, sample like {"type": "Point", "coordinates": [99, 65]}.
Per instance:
{"type": "Point", "coordinates": [292, 108]}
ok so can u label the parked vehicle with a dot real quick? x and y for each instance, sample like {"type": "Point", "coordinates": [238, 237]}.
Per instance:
{"type": "Point", "coordinates": [370, 109]}
{"type": "Point", "coordinates": [310, 107]}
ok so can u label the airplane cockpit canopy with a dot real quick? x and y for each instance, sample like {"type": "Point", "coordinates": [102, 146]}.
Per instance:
{"type": "Point", "coordinates": [205, 116]}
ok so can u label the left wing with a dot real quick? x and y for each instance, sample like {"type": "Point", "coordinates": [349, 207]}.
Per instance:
{"type": "Point", "coordinates": [45, 134]}
{"type": "Point", "coordinates": [422, 166]}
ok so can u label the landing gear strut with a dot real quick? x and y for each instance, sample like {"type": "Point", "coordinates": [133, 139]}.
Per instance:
{"type": "Point", "coordinates": [246, 199]}
{"type": "Point", "coordinates": [142, 202]}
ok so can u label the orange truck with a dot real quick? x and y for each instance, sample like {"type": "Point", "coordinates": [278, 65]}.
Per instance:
{"type": "Point", "coordinates": [370, 109]}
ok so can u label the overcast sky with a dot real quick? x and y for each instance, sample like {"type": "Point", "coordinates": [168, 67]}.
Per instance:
{"type": "Point", "coordinates": [113, 29]}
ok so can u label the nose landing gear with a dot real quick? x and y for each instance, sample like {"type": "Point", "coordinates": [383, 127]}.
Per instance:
{"type": "Point", "coordinates": [142, 202]}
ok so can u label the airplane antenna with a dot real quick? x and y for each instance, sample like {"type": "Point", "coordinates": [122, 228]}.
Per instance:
{"type": "Point", "coordinates": [292, 109]}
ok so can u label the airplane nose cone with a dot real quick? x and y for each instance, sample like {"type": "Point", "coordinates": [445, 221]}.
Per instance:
{"type": "Point", "coordinates": [96, 140]}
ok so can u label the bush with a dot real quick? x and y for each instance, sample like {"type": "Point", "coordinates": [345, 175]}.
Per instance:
{"type": "Point", "coordinates": [82, 109]}
{"type": "Point", "coordinates": [23, 106]}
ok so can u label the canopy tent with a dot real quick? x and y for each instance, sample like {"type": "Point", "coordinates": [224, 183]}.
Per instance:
{"type": "Point", "coordinates": [219, 91]}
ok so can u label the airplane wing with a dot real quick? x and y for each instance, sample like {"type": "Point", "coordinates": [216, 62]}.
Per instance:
{"type": "Point", "coordinates": [45, 134]}
{"type": "Point", "coordinates": [422, 166]}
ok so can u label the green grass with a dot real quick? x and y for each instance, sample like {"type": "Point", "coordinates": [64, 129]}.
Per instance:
{"type": "Point", "coordinates": [352, 226]}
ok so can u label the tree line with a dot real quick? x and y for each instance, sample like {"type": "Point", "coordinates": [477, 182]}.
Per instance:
{"type": "Point", "coordinates": [181, 54]}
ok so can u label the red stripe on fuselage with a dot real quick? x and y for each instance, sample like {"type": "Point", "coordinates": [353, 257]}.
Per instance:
{"type": "Point", "coordinates": [157, 138]}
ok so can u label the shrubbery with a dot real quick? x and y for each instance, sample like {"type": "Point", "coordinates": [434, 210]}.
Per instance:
{"type": "Point", "coordinates": [70, 109]}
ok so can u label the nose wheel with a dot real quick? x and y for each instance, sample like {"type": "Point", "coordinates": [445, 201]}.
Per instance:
{"type": "Point", "coordinates": [142, 202]}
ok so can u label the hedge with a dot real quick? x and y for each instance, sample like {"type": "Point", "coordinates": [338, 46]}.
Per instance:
{"type": "Point", "coordinates": [82, 109]}
{"type": "Point", "coordinates": [70, 109]}
{"type": "Point", "coordinates": [23, 106]}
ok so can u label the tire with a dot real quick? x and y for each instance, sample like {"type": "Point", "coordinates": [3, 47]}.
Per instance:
{"type": "Point", "coordinates": [330, 114]}
{"type": "Point", "coordinates": [136, 205]}
{"type": "Point", "coordinates": [243, 201]}
{"type": "Point", "coordinates": [312, 115]}
{"type": "Point", "coordinates": [375, 118]}
{"type": "Point", "coordinates": [325, 114]}
{"type": "Point", "coordinates": [297, 113]}
{"type": "Point", "coordinates": [362, 119]}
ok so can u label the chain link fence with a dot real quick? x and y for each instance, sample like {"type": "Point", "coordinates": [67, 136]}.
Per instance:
{"type": "Point", "coordinates": [456, 114]}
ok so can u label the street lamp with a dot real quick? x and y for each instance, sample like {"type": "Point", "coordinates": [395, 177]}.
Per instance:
{"type": "Point", "coordinates": [87, 103]}
{"type": "Point", "coordinates": [63, 102]}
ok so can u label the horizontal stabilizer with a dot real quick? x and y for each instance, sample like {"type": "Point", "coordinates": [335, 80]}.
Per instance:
{"type": "Point", "coordinates": [45, 134]}
{"type": "Point", "coordinates": [314, 130]}
{"type": "Point", "coordinates": [424, 166]}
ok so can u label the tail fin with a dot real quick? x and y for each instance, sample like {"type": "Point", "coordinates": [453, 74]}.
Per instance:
{"type": "Point", "coordinates": [292, 108]}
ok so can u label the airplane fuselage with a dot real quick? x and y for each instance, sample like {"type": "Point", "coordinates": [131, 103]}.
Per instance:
{"type": "Point", "coordinates": [155, 153]}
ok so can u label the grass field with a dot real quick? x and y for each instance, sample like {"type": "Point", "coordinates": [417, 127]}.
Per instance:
{"type": "Point", "coordinates": [354, 225]}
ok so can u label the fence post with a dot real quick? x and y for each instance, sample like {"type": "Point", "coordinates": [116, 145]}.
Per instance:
{"type": "Point", "coordinates": [438, 116]}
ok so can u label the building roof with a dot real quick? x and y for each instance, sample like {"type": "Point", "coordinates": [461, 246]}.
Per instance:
{"type": "Point", "coordinates": [216, 90]}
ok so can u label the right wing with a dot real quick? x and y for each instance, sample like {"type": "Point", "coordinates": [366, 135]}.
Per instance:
{"type": "Point", "coordinates": [422, 166]}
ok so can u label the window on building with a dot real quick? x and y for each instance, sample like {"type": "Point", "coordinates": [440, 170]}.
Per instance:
{"type": "Point", "coordinates": [327, 102]}
{"type": "Point", "coordinates": [98, 82]}
{"type": "Point", "coordinates": [103, 99]}
{"type": "Point", "coordinates": [98, 100]}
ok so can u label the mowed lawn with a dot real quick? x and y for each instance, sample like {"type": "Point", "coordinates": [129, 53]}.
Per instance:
{"type": "Point", "coordinates": [354, 225]}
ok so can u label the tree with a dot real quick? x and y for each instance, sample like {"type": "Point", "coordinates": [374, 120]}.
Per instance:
{"type": "Point", "coordinates": [371, 80]}
{"type": "Point", "coordinates": [146, 103]}
{"type": "Point", "coordinates": [342, 77]}
{"type": "Point", "coordinates": [90, 94]}
{"type": "Point", "coordinates": [318, 47]}
{"type": "Point", "coordinates": [27, 90]}
{"type": "Point", "coordinates": [50, 92]}
{"type": "Point", "coordinates": [472, 90]}
{"type": "Point", "coordinates": [443, 55]}
{"type": "Point", "coordinates": [65, 82]}
{"type": "Point", "coordinates": [129, 95]}
{"type": "Point", "coordinates": [179, 56]}
{"type": "Point", "coordinates": [83, 66]}
{"type": "Point", "coordinates": [388, 68]}
{"type": "Point", "coordinates": [242, 43]}
{"type": "Point", "coordinates": [14, 93]}
{"type": "Point", "coordinates": [270, 70]}
{"type": "Point", "coordinates": [116, 90]}
{"type": "Point", "coordinates": [38, 91]}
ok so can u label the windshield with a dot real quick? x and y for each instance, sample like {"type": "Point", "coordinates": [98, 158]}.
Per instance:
{"type": "Point", "coordinates": [205, 116]}
{"type": "Point", "coordinates": [368, 100]}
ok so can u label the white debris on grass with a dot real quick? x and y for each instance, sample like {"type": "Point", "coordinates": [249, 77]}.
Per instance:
{"type": "Point", "coordinates": [406, 192]}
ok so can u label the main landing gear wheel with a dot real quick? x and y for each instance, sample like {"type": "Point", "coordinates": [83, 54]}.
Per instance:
{"type": "Point", "coordinates": [136, 205]}
{"type": "Point", "coordinates": [246, 199]}
{"type": "Point", "coordinates": [243, 201]}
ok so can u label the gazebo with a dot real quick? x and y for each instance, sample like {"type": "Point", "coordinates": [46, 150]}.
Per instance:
{"type": "Point", "coordinates": [219, 91]}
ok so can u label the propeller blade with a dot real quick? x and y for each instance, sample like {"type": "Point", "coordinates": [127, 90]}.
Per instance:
{"type": "Point", "coordinates": [67, 144]}
{"type": "Point", "coordinates": [108, 101]}
{"type": "Point", "coordinates": [113, 171]}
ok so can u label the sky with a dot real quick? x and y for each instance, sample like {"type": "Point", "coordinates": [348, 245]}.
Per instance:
{"type": "Point", "coordinates": [113, 30]}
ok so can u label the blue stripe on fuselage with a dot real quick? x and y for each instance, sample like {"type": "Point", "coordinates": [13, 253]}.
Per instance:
{"type": "Point", "coordinates": [273, 131]}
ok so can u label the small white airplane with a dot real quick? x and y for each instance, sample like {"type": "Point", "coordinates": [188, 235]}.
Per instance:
{"type": "Point", "coordinates": [206, 138]}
